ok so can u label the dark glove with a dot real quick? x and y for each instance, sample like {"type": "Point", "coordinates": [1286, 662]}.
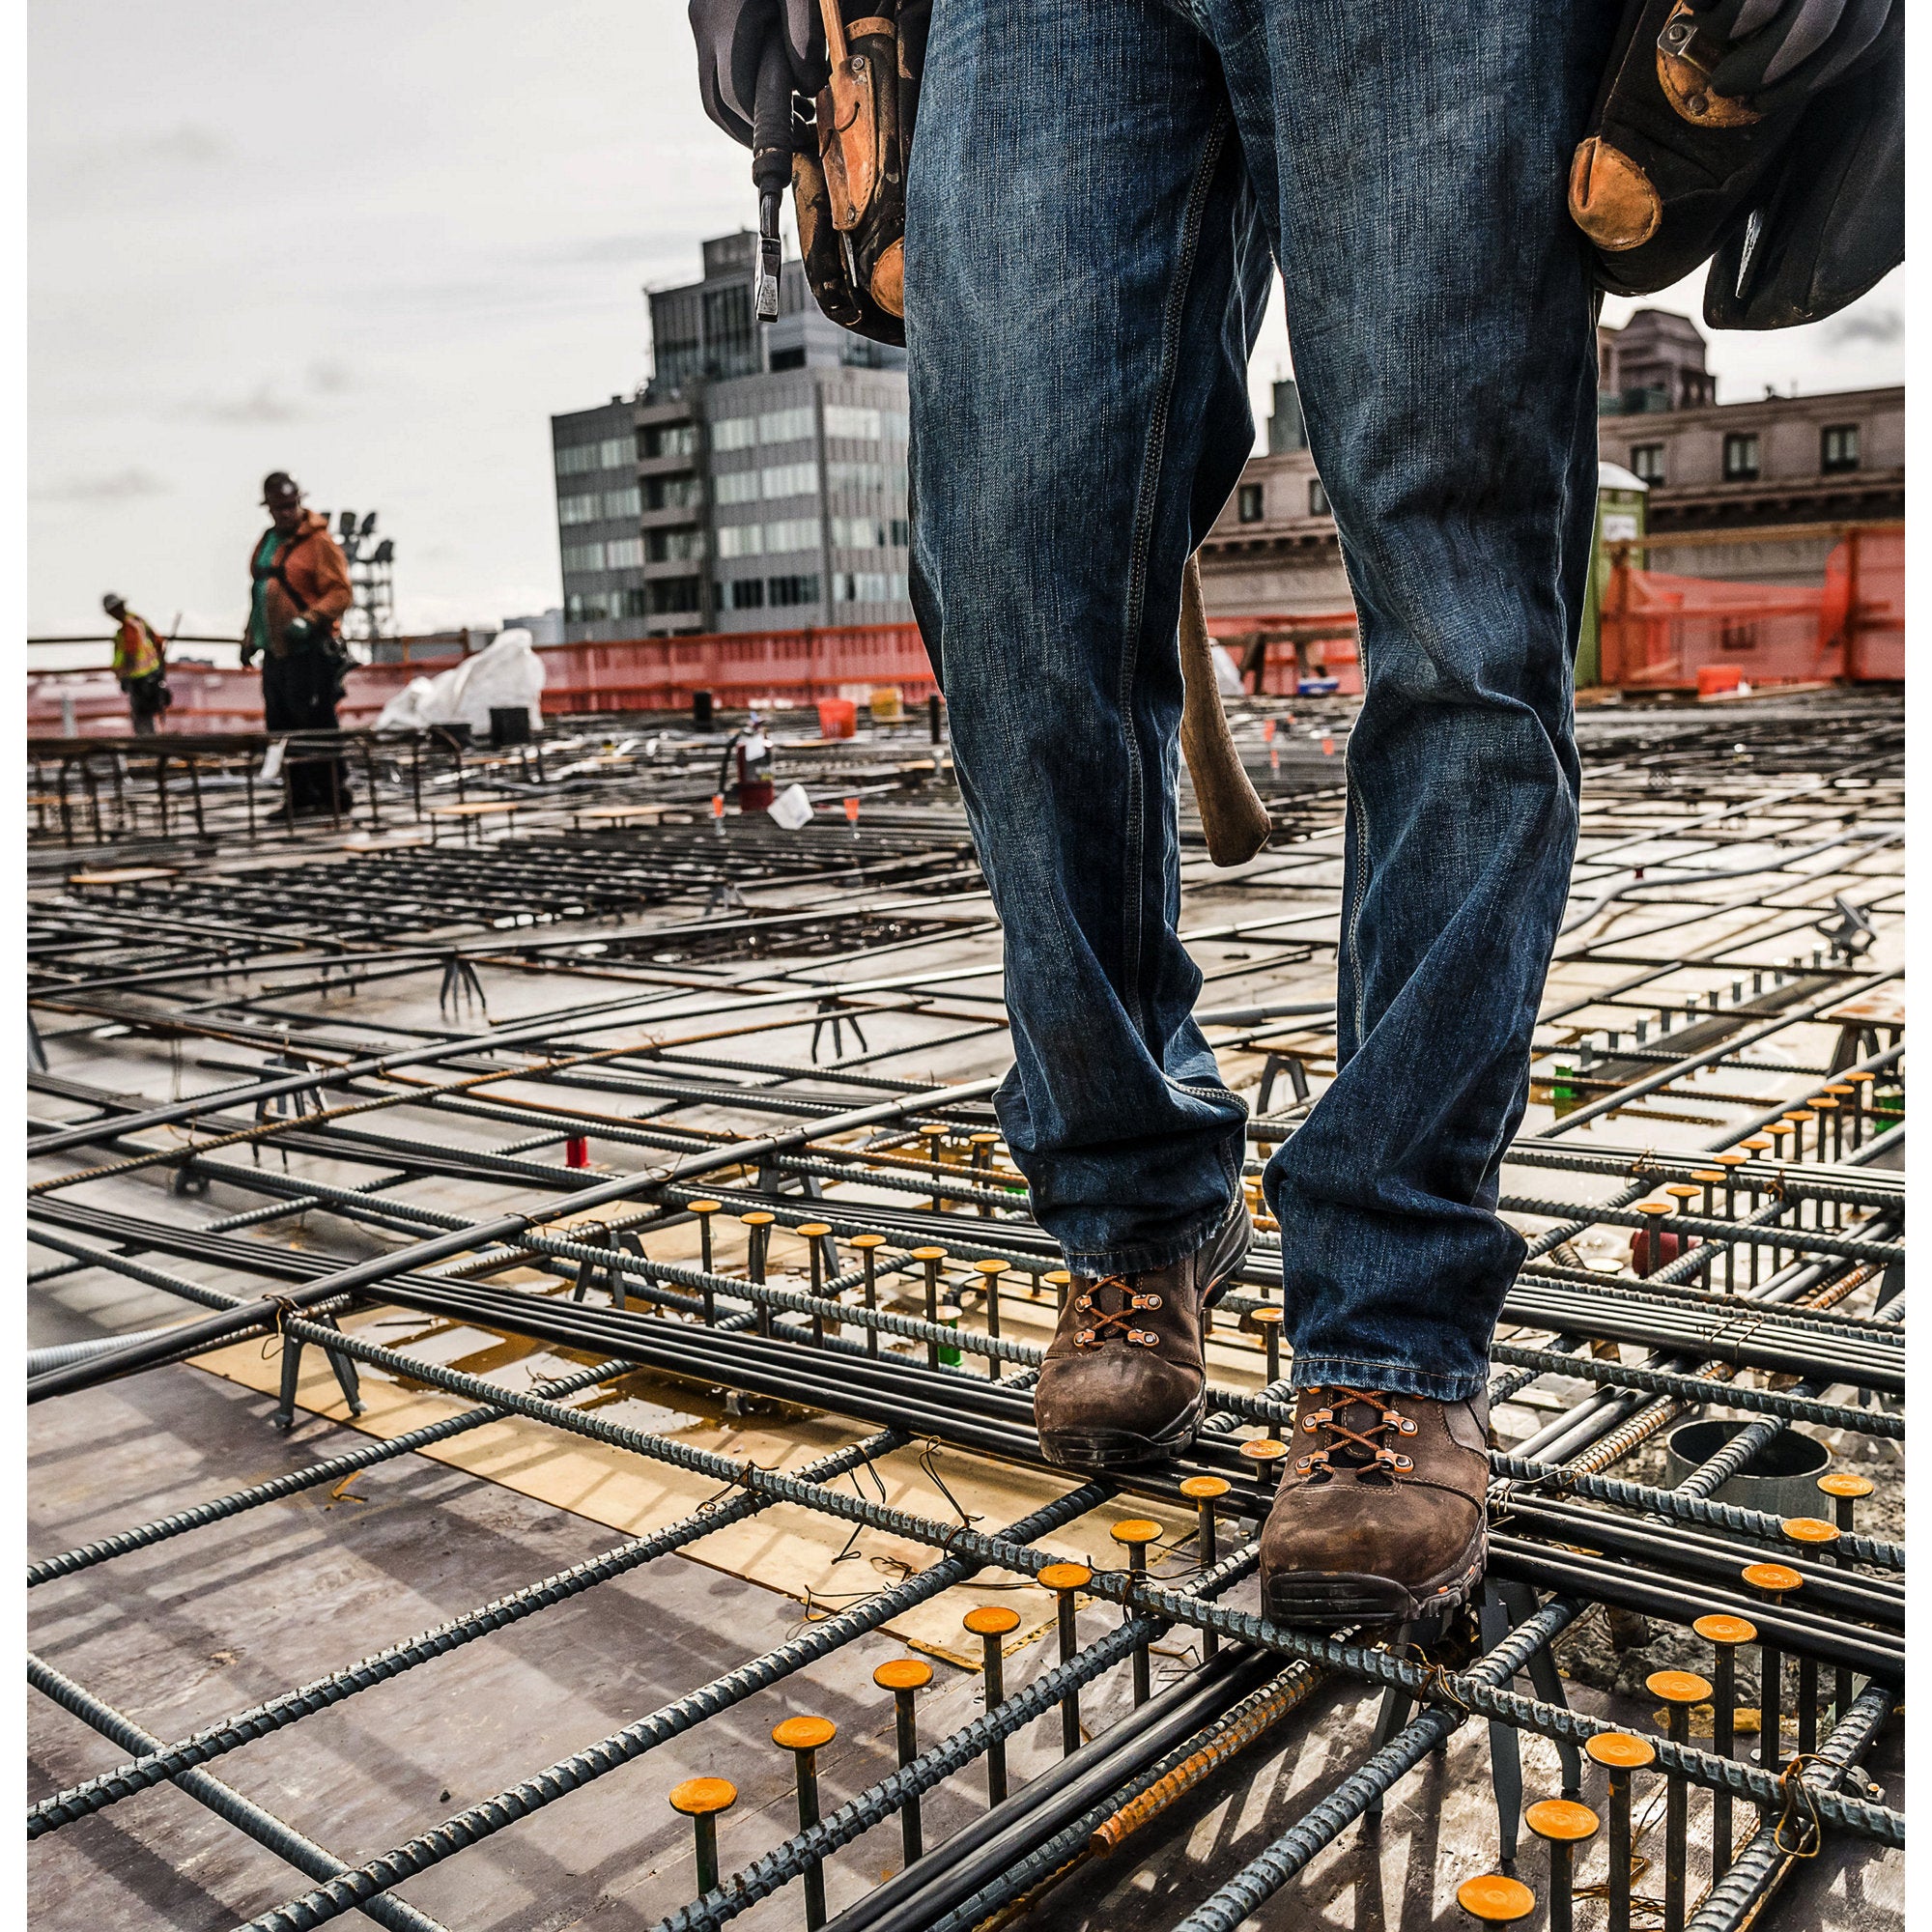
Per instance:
{"type": "Point", "coordinates": [733, 36]}
{"type": "Point", "coordinates": [1776, 49]}
{"type": "Point", "coordinates": [299, 632]}
{"type": "Point", "coordinates": [248, 651]}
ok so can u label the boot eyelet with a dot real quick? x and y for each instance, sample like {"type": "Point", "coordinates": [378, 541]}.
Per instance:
{"type": "Point", "coordinates": [1403, 1464]}
{"type": "Point", "coordinates": [1308, 1427]}
{"type": "Point", "coordinates": [1149, 1301]}
{"type": "Point", "coordinates": [1301, 1468]}
{"type": "Point", "coordinates": [1407, 1426]}
{"type": "Point", "coordinates": [1085, 1339]}
{"type": "Point", "coordinates": [1085, 1303]}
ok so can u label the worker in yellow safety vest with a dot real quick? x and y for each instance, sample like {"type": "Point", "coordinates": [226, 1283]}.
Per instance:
{"type": "Point", "coordinates": [140, 664]}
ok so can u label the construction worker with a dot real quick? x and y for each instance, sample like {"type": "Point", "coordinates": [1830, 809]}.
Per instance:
{"type": "Point", "coordinates": [301, 589]}
{"type": "Point", "coordinates": [140, 664]}
{"type": "Point", "coordinates": [1093, 208]}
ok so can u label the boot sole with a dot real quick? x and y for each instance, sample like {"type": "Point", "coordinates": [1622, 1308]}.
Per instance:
{"type": "Point", "coordinates": [1325, 1599]}
{"type": "Point", "coordinates": [1121, 1449]}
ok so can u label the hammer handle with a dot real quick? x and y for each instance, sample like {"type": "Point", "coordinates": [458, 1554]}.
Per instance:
{"type": "Point", "coordinates": [1232, 813]}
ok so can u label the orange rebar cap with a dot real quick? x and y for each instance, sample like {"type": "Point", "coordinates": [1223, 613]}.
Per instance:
{"type": "Point", "coordinates": [699, 1796]}
{"type": "Point", "coordinates": [1202, 1489]}
{"type": "Point", "coordinates": [1562, 1821]}
{"type": "Point", "coordinates": [1772, 1577]}
{"type": "Point", "coordinates": [1677, 1687]}
{"type": "Point", "coordinates": [1494, 1900]}
{"type": "Point", "coordinates": [1619, 1750]}
{"type": "Point", "coordinates": [1721, 1628]}
{"type": "Point", "coordinates": [1845, 1483]}
{"type": "Point", "coordinates": [801, 1734]}
{"type": "Point", "coordinates": [903, 1674]}
{"type": "Point", "coordinates": [1809, 1529]}
{"type": "Point", "coordinates": [991, 1620]}
{"type": "Point", "coordinates": [1065, 1576]}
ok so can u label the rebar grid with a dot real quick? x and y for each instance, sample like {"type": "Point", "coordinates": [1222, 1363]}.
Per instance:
{"type": "Point", "coordinates": [1709, 924]}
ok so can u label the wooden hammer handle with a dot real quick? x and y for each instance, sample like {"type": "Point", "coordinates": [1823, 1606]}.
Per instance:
{"type": "Point", "coordinates": [1232, 813]}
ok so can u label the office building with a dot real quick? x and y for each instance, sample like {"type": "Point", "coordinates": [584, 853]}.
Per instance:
{"type": "Point", "coordinates": [756, 482]}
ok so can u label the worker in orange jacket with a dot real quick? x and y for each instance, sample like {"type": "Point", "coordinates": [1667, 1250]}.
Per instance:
{"type": "Point", "coordinates": [140, 664]}
{"type": "Point", "coordinates": [301, 589]}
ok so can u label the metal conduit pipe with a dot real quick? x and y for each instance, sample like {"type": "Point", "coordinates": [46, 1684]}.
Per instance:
{"type": "Point", "coordinates": [1141, 1734]}
{"type": "Point", "coordinates": [912, 1899]}
{"type": "Point", "coordinates": [1263, 1877]}
{"type": "Point", "coordinates": [477, 1822]}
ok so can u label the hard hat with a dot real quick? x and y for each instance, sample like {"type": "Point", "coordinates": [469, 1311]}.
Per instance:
{"type": "Point", "coordinates": [278, 487]}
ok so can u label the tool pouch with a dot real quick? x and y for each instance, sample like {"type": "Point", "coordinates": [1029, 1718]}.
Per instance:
{"type": "Point", "coordinates": [1672, 173]}
{"type": "Point", "coordinates": [1667, 164]}
{"type": "Point", "coordinates": [850, 195]}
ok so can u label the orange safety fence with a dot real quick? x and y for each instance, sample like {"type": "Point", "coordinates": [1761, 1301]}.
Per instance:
{"type": "Point", "coordinates": [775, 669]}
{"type": "Point", "coordinates": [1661, 632]}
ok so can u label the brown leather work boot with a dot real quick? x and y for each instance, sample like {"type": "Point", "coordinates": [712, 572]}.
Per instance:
{"type": "Point", "coordinates": [1124, 1380]}
{"type": "Point", "coordinates": [1380, 1515]}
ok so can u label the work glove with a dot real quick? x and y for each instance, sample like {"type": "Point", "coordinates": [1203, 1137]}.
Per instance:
{"type": "Point", "coordinates": [1780, 51]}
{"type": "Point", "coordinates": [248, 651]}
{"type": "Point", "coordinates": [299, 632]}
{"type": "Point", "coordinates": [733, 36]}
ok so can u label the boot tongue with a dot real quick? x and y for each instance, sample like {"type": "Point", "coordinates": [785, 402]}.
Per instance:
{"type": "Point", "coordinates": [1361, 1417]}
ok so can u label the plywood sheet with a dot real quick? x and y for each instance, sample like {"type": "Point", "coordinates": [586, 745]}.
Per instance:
{"type": "Point", "coordinates": [812, 1558]}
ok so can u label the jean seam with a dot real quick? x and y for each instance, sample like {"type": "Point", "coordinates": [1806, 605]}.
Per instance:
{"type": "Point", "coordinates": [1133, 900]}
{"type": "Point", "coordinates": [1358, 798]}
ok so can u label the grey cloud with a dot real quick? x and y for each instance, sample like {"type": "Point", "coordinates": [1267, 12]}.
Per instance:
{"type": "Point", "coordinates": [1881, 326]}
{"type": "Point", "coordinates": [329, 379]}
{"type": "Point", "coordinates": [262, 406]}
{"type": "Point", "coordinates": [119, 486]}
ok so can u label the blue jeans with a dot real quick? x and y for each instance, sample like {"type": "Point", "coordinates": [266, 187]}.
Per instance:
{"type": "Point", "coordinates": [1098, 196]}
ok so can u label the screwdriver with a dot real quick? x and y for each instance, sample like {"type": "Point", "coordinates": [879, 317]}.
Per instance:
{"type": "Point", "coordinates": [771, 170]}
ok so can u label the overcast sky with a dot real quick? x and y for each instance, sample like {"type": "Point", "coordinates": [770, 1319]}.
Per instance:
{"type": "Point", "coordinates": [378, 246]}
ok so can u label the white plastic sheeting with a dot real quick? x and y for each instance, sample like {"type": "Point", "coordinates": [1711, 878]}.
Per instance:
{"type": "Point", "coordinates": [505, 673]}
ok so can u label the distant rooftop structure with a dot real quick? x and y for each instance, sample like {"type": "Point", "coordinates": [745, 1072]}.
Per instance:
{"type": "Point", "coordinates": [1654, 362]}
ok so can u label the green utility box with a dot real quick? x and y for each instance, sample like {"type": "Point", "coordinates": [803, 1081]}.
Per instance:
{"type": "Point", "coordinates": [1621, 514]}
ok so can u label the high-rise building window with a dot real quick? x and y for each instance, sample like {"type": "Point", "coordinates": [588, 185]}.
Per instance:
{"type": "Point", "coordinates": [737, 486]}
{"type": "Point", "coordinates": [577, 509]}
{"type": "Point", "coordinates": [1838, 448]}
{"type": "Point", "coordinates": [578, 458]}
{"type": "Point", "coordinates": [630, 603]}
{"type": "Point", "coordinates": [790, 590]}
{"type": "Point", "coordinates": [1647, 461]}
{"type": "Point", "coordinates": [791, 479]}
{"type": "Point", "coordinates": [857, 424]}
{"type": "Point", "coordinates": [1317, 497]}
{"type": "Point", "coordinates": [668, 440]}
{"type": "Point", "coordinates": [623, 552]}
{"type": "Point", "coordinates": [622, 503]}
{"type": "Point", "coordinates": [734, 433]}
{"type": "Point", "coordinates": [793, 425]}
{"type": "Point", "coordinates": [743, 593]}
{"type": "Point", "coordinates": [793, 533]}
{"type": "Point", "coordinates": [672, 594]}
{"type": "Point", "coordinates": [1741, 464]}
{"type": "Point", "coordinates": [741, 540]}
{"type": "Point", "coordinates": [584, 556]}
{"type": "Point", "coordinates": [673, 493]}
{"type": "Point", "coordinates": [1249, 503]}
{"type": "Point", "coordinates": [669, 545]}
{"type": "Point", "coordinates": [584, 606]}
{"type": "Point", "coordinates": [855, 475]}
{"type": "Point", "coordinates": [869, 586]}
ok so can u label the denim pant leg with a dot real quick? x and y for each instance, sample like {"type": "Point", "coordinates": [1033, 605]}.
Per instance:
{"type": "Point", "coordinates": [1085, 273]}
{"type": "Point", "coordinates": [1411, 156]}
